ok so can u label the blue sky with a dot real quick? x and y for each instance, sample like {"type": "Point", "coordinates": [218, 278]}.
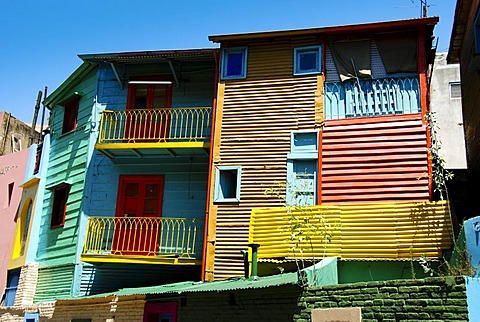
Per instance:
{"type": "Point", "coordinates": [41, 39]}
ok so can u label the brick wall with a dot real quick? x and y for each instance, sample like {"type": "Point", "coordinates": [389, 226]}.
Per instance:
{"type": "Point", "coordinates": [430, 299]}
{"type": "Point", "coordinates": [123, 309]}
{"type": "Point", "coordinates": [27, 285]}
{"type": "Point", "coordinates": [268, 304]}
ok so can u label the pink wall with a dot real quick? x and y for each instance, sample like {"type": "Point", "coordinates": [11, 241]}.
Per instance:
{"type": "Point", "coordinates": [12, 170]}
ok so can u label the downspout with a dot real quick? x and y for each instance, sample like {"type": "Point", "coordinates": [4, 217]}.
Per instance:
{"type": "Point", "coordinates": [422, 74]}
{"type": "Point", "coordinates": [210, 172]}
{"type": "Point", "coordinates": [254, 248]}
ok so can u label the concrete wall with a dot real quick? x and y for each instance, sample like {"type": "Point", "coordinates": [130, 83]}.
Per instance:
{"type": "Point", "coordinates": [11, 126]}
{"type": "Point", "coordinates": [448, 112]}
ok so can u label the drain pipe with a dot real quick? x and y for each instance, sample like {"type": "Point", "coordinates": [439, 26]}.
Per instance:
{"type": "Point", "coordinates": [246, 269]}
{"type": "Point", "coordinates": [254, 259]}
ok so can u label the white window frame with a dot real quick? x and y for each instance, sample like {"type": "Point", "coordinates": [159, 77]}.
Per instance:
{"type": "Point", "coordinates": [218, 195]}
{"type": "Point", "coordinates": [297, 57]}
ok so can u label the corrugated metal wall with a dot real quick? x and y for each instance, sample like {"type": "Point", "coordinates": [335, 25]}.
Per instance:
{"type": "Point", "coordinates": [387, 231]}
{"type": "Point", "coordinates": [374, 159]}
{"type": "Point", "coordinates": [54, 282]}
{"type": "Point", "coordinates": [258, 115]}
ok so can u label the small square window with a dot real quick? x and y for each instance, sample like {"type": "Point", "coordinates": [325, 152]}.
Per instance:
{"type": "Point", "coordinates": [227, 184]}
{"type": "Point", "coordinates": [234, 63]}
{"type": "Point", "coordinates": [455, 90]}
{"type": "Point", "coordinates": [70, 115]}
{"type": "Point", "coordinates": [59, 209]}
{"type": "Point", "coordinates": [307, 60]}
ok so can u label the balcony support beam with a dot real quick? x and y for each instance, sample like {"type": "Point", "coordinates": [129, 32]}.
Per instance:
{"type": "Point", "coordinates": [116, 75]}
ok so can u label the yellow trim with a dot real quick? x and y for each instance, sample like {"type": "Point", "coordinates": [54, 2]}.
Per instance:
{"type": "Point", "coordinates": [156, 145]}
{"type": "Point", "coordinates": [143, 240]}
{"type": "Point", "coordinates": [180, 124]}
{"type": "Point", "coordinates": [30, 183]}
{"type": "Point", "coordinates": [110, 258]}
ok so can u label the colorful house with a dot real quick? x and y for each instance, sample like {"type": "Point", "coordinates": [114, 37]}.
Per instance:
{"type": "Point", "coordinates": [23, 263]}
{"type": "Point", "coordinates": [331, 118]}
{"type": "Point", "coordinates": [127, 180]}
{"type": "Point", "coordinates": [12, 171]}
{"type": "Point", "coordinates": [61, 220]}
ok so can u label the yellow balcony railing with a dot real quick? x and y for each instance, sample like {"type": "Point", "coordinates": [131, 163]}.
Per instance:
{"type": "Point", "coordinates": [144, 236]}
{"type": "Point", "coordinates": [395, 230]}
{"type": "Point", "coordinates": [155, 125]}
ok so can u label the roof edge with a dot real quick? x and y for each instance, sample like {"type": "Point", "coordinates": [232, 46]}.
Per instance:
{"type": "Point", "coordinates": [363, 27]}
{"type": "Point", "coordinates": [98, 57]}
{"type": "Point", "coordinates": [56, 95]}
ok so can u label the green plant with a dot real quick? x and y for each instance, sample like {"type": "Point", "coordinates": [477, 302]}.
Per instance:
{"type": "Point", "coordinates": [304, 227]}
{"type": "Point", "coordinates": [440, 175]}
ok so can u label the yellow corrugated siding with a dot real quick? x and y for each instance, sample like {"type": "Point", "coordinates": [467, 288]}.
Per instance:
{"type": "Point", "coordinates": [257, 117]}
{"type": "Point", "coordinates": [401, 230]}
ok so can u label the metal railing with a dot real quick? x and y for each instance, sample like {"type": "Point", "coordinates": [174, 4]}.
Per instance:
{"type": "Point", "coordinates": [373, 97]}
{"type": "Point", "coordinates": [144, 236]}
{"type": "Point", "coordinates": [156, 125]}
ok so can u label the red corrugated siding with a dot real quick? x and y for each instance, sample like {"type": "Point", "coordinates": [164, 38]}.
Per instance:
{"type": "Point", "coordinates": [375, 159]}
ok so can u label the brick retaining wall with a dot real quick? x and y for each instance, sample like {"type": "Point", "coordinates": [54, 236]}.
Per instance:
{"type": "Point", "coordinates": [431, 299]}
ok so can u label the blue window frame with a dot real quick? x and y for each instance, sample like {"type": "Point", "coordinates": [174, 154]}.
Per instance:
{"type": "Point", "coordinates": [227, 183]}
{"type": "Point", "coordinates": [234, 63]}
{"type": "Point", "coordinates": [31, 317]}
{"type": "Point", "coordinates": [302, 164]}
{"type": "Point", "coordinates": [13, 277]}
{"type": "Point", "coordinates": [307, 60]}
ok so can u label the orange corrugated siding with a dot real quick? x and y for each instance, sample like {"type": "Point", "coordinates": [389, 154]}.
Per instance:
{"type": "Point", "coordinates": [377, 159]}
{"type": "Point", "coordinates": [258, 115]}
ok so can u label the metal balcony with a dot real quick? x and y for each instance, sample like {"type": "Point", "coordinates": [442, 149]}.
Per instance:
{"type": "Point", "coordinates": [144, 240]}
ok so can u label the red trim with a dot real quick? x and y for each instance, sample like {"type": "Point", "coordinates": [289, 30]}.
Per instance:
{"type": "Point", "coordinates": [320, 161]}
{"type": "Point", "coordinates": [210, 166]}
{"type": "Point", "coordinates": [59, 203]}
{"type": "Point", "coordinates": [422, 70]}
{"type": "Point", "coordinates": [373, 119]}
{"type": "Point", "coordinates": [125, 179]}
{"type": "Point", "coordinates": [335, 30]}
{"type": "Point", "coordinates": [152, 311]}
{"type": "Point", "coordinates": [70, 115]}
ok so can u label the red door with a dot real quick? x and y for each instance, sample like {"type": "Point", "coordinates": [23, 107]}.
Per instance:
{"type": "Point", "coordinates": [139, 205]}
{"type": "Point", "coordinates": [148, 114]}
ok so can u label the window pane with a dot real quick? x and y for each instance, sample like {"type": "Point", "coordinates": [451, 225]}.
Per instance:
{"type": "Point", "coordinates": [308, 61]}
{"type": "Point", "coordinates": [228, 183]}
{"type": "Point", "coordinates": [234, 64]}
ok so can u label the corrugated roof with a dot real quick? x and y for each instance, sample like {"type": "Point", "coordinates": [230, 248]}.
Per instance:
{"type": "Point", "coordinates": [215, 286]}
{"type": "Point", "coordinates": [193, 287]}
{"type": "Point", "coordinates": [136, 56]}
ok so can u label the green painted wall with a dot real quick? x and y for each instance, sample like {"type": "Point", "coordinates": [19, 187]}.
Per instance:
{"type": "Point", "coordinates": [68, 158]}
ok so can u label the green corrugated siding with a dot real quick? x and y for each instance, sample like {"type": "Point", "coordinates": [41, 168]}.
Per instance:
{"type": "Point", "coordinates": [68, 159]}
{"type": "Point", "coordinates": [54, 283]}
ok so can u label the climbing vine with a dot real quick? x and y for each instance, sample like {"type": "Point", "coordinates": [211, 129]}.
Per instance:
{"type": "Point", "coordinates": [440, 175]}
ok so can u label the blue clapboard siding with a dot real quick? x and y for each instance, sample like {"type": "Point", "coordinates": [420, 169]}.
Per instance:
{"type": "Point", "coordinates": [185, 185]}
{"type": "Point", "coordinates": [110, 277]}
{"type": "Point", "coordinates": [196, 87]}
